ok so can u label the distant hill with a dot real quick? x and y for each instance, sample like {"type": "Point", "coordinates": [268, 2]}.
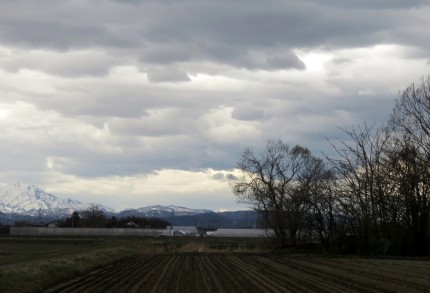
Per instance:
{"type": "Point", "coordinates": [182, 216]}
{"type": "Point", "coordinates": [233, 219]}
{"type": "Point", "coordinates": [162, 211]}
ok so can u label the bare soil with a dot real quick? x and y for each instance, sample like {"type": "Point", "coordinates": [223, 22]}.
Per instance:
{"type": "Point", "coordinates": [235, 272]}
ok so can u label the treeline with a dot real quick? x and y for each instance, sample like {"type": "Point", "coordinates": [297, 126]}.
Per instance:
{"type": "Point", "coordinates": [94, 217]}
{"type": "Point", "coordinates": [371, 196]}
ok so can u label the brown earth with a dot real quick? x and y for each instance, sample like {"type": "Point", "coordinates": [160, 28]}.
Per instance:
{"type": "Point", "coordinates": [233, 272]}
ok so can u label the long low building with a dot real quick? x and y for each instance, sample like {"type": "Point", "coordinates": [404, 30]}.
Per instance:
{"type": "Point", "coordinates": [241, 233]}
{"type": "Point", "coordinates": [55, 231]}
{"type": "Point", "coordinates": [173, 231]}
{"type": "Point", "coordinates": [42, 231]}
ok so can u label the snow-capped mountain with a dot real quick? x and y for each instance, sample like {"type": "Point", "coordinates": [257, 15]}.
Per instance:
{"type": "Point", "coordinates": [32, 200]}
{"type": "Point", "coordinates": [164, 211]}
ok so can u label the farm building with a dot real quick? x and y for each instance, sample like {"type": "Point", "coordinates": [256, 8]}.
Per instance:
{"type": "Point", "coordinates": [180, 231]}
{"type": "Point", "coordinates": [240, 233]}
{"type": "Point", "coordinates": [53, 224]}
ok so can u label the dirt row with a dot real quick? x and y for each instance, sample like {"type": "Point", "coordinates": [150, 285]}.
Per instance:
{"type": "Point", "coordinates": [194, 272]}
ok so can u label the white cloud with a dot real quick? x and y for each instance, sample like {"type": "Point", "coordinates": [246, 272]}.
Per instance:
{"type": "Point", "coordinates": [170, 186]}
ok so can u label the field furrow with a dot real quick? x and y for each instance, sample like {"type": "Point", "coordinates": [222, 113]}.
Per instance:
{"type": "Point", "coordinates": [226, 274]}
{"type": "Point", "coordinates": [380, 278]}
{"type": "Point", "coordinates": [147, 274]}
{"type": "Point", "coordinates": [255, 275]}
{"type": "Point", "coordinates": [103, 277]}
{"type": "Point", "coordinates": [131, 274]}
{"type": "Point", "coordinates": [221, 280]}
{"type": "Point", "coordinates": [308, 280]}
{"type": "Point", "coordinates": [217, 272]}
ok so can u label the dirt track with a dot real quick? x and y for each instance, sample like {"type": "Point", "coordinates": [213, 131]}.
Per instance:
{"type": "Point", "coordinates": [193, 272]}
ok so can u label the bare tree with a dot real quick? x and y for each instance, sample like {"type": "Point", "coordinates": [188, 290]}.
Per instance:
{"type": "Point", "coordinates": [410, 161]}
{"type": "Point", "coordinates": [323, 204]}
{"type": "Point", "coordinates": [93, 216]}
{"type": "Point", "coordinates": [275, 183]}
{"type": "Point", "coordinates": [410, 174]}
{"type": "Point", "coordinates": [411, 113]}
{"type": "Point", "coordinates": [362, 182]}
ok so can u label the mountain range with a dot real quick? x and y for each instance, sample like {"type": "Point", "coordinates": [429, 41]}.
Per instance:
{"type": "Point", "coordinates": [29, 202]}
{"type": "Point", "coordinates": [162, 211]}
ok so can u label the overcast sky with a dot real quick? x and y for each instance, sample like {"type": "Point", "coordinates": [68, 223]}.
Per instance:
{"type": "Point", "coordinates": [132, 103]}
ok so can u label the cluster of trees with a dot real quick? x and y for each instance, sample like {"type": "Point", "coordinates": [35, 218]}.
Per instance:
{"type": "Point", "coordinates": [94, 217]}
{"type": "Point", "coordinates": [138, 222]}
{"type": "Point", "coordinates": [371, 196]}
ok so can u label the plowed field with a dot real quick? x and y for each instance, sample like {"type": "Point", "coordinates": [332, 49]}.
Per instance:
{"type": "Point", "coordinates": [218, 272]}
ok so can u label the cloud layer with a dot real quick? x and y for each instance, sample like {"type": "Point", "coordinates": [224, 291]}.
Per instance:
{"type": "Point", "coordinates": [134, 102]}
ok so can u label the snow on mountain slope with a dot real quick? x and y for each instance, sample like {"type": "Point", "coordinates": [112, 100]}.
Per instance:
{"type": "Point", "coordinates": [173, 209]}
{"type": "Point", "coordinates": [163, 211]}
{"type": "Point", "coordinates": [32, 200]}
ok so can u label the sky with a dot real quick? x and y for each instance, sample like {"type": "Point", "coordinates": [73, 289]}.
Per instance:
{"type": "Point", "coordinates": [134, 103]}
